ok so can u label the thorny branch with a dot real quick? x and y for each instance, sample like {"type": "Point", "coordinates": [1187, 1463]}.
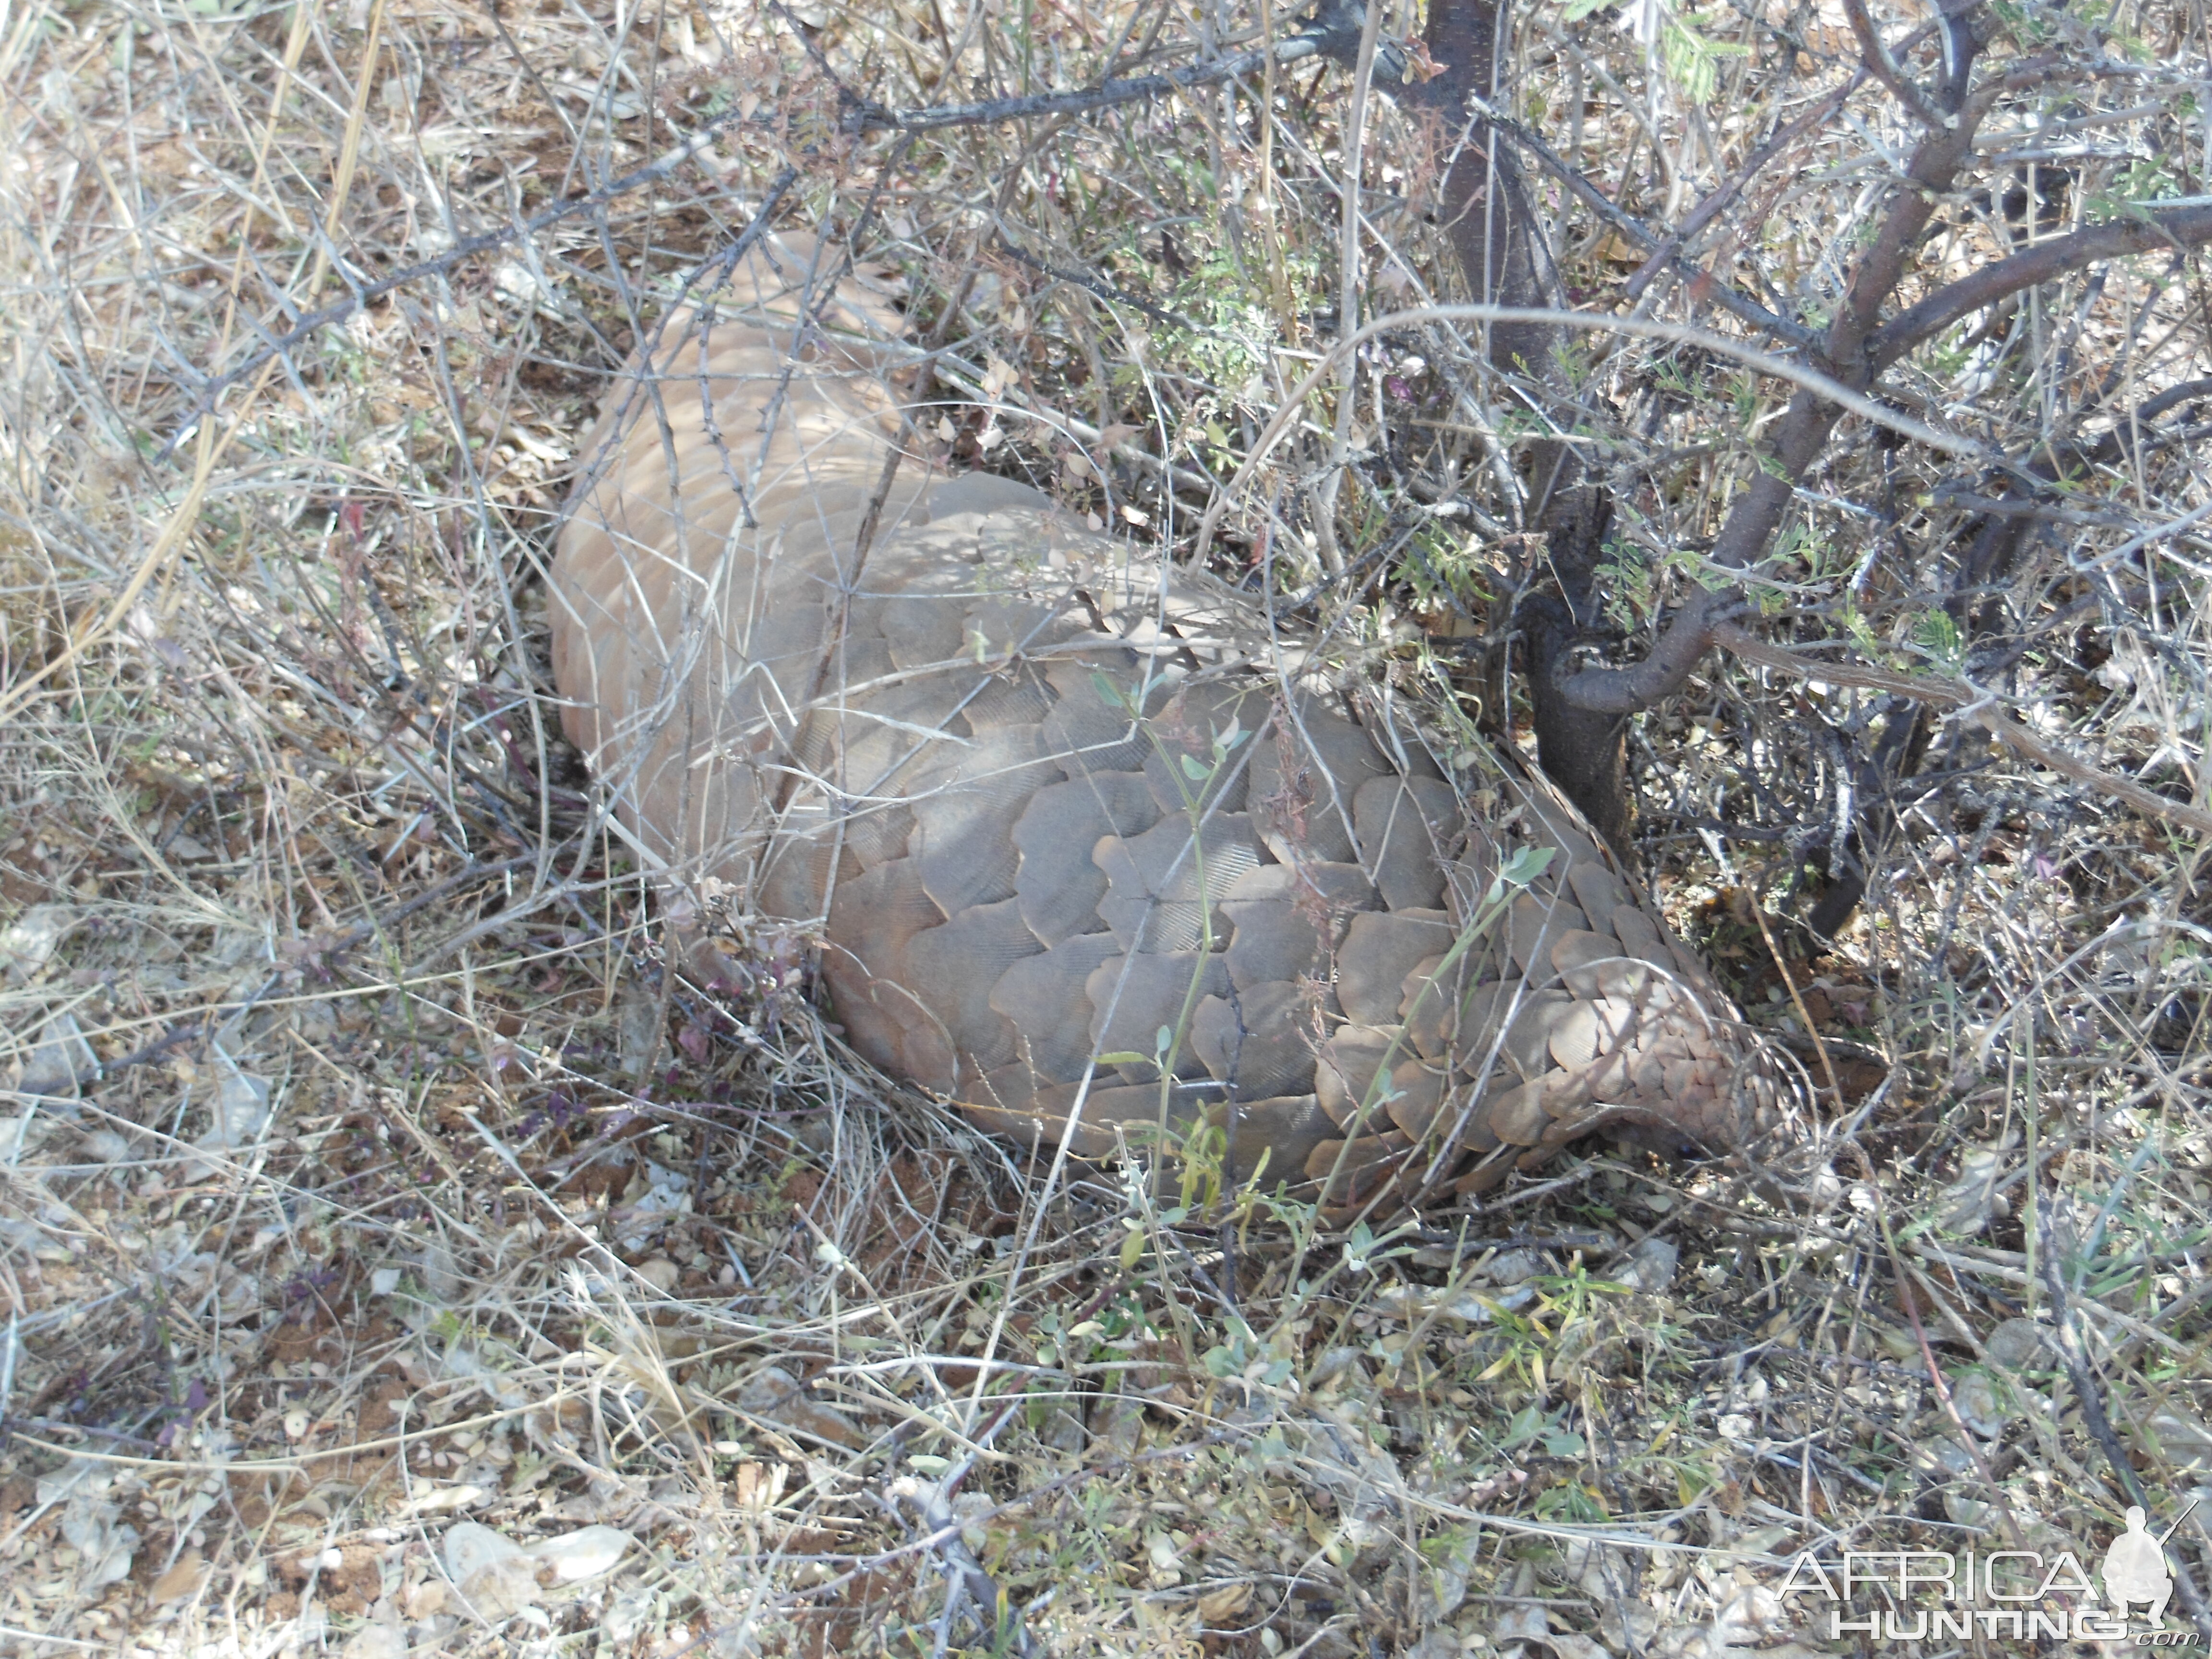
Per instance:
{"type": "Point", "coordinates": [2178, 229]}
{"type": "Point", "coordinates": [1758, 514]}
{"type": "Point", "coordinates": [364, 294]}
{"type": "Point", "coordinates": [2067, 1337]}
{"type": "Point", "coordinates": [1978, 706]}
{"type": "Point", "coordinates": [865, 118]}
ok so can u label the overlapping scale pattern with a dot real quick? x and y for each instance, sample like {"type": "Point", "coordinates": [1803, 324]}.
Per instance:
{"type": "Point", "coordinates": [1064, 822]}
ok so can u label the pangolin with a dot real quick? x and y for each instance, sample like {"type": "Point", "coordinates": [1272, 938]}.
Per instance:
{"type": "Point", "coordinates": [1090, 849]}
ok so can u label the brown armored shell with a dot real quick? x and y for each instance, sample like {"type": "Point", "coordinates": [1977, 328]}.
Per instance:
{"type": "Point", "coordinates": [1063, 818]}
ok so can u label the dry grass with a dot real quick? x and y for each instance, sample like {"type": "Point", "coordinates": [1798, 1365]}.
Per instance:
{"type": "Point", "coordinates": [368, 1180]}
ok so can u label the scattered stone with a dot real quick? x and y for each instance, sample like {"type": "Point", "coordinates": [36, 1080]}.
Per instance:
{"type": "Point", "coordinates": [239, 1109]}
{"type": "Point", "coordinates": [61, 1061]}
{"type": "Point", "coordinates": [1985, 1404]}
{"type": "Point", "coordinates": [1511, 1266]}
{"type": "Point", "coordinates": [584, 1553]}
{"type": "Point", "coordinates": [377, 1640]}
{"type": "Point", "coordinates": [496, 1577]}
{"type": "Point", "coordinates": [1973, 1201]}
{"type": "Point", "coordinates": [782, 1398]}
{"type": "Point", "coordinates": [1650, 1267]}
{"type": "Point", "coordinates": [181, 1582]}
{"type": "Point", "coordinates": [28, 942]}
{"type": "Point", "coordinates": [2182, 1439]}
{"type": "Point", "coordinates": [104, 1146]}
{"type": "Point", "coordinates": [2018, 1345]}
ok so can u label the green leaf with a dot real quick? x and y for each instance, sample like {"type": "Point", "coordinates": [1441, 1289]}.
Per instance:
{"type": "Point", "coordinates": [1525, 865]}
{"type": "Point", "coordinates": [1125, 1057]}
{"type": "Point", "coordinates": [1359, 1244]}
{"type": "Point", "coordinates": [1111, 693]}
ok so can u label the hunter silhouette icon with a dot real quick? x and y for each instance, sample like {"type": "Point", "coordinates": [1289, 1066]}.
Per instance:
{"type": "Point", "coordinates": [2135, 1570]}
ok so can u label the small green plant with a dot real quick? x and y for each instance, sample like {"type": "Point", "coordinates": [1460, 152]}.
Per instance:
{"type": "Point", "coordinates": [1571, 1297]}
{"type": "Point", "coordinates": [1690, 59]}
{"type": "Point", "coordinates": [1696, 567]}
{"type": "Point", "coordinates": [2145, 180]}
{"type": "Point", "coordinates": [1671, 375]}
{"type": "Point", "coordinates": [1694, 60]}
{"type": "Point", "coordinates": [1442, 567]}
{"type": "Point", "coordinates": [1531, 1425]}
{"type": "Point", "coordinates": [1244, 1355]}
{"type": "Point", "coordinates": [1631, 594]}
{"type": "Point", "coordinates": [1743, 397]}
{"type": "Point", "coordinates": [1935, 637]}
{"type": "Point", "coordinates": [1571, 1502]}
{"type": "Point", "coordinates": [1235, 331]}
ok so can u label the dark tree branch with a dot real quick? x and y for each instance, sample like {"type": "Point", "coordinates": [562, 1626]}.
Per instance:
{"type": "Point", "coordinates": [1320, 39]}
{"type": "Point", "coordinates": [1498, 236]}
{"type": "Point", "coordinates": [1758, 513]}
{"type": "Point", "coordinates": [2067, 1339]}
{"type": "Point", "coordinates": [2172, 397]}
{"type": "Point", "coordinates": [1099, 289]}
{"type": "Point", "coordinates": [1107, 95]}
{"type": "Point", "coordinates": [1633, 688]}
{"type": "Point", "coordinates": [1978, 706]}
{"type": "Point", "coordinates": [1886, 69]}
{"type": "Point", "coordinates": [1666, 251]}
{"type": "Point", "coordinates": [2008, 526]}
{"type": "Point", "coordinates": [2176, 228]}
{"type": "Point", "coordinates": [1714, 204]}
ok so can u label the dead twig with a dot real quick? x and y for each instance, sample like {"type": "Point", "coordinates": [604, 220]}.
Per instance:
{"type": "Point", "coordinates": [1978, 706]}
{"type": "Point", "coordinates": [364, 294]}
{"type": "Point", "coordinates": [2099, 1423]}
{"type": "Point", "coordinates": [965, 1575]}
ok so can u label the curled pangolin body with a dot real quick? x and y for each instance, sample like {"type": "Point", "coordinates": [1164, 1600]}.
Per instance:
{"type": "Point", "coordinates": [1064, 818]}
